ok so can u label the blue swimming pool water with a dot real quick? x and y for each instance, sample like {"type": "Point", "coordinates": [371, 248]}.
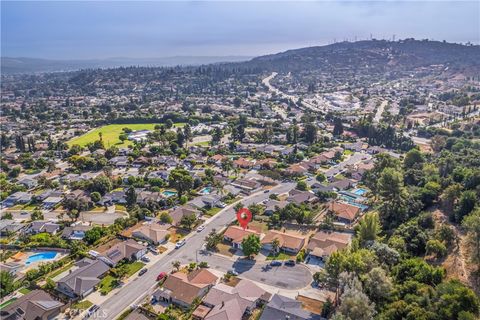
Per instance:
{"type": "Point", "coordinates": [48, 255]}
{"type": "Point", "coordinates": [206, 190]}
{"type": "Point", "coordinates": [360, 191]}
{"type": "Point", "coordinates": [168, 193]}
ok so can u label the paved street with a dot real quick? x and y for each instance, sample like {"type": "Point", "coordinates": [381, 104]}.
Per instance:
{"type": "Point", "coordinates": [353, 159]}
{"type": "Point", "coordinates": [283, 277]}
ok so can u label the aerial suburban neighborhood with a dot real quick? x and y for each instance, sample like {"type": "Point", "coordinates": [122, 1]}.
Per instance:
{"type": "Point", "coordinates": [331, 182]}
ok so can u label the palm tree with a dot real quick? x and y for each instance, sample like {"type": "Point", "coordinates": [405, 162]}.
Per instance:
{"type": "Point", "coordinates": [275, 245]}
{"type": "Point", "coordinates": [369, 228]}
{"type": "Point", "coordinates": [176, 264]}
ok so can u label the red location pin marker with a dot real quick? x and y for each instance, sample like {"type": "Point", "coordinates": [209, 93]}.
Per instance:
{"type": "Point", "coordinates": [244, 216]}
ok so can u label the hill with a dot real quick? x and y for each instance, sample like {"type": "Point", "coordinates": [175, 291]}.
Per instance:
{"type": "Point", "coordinates": [377, 55]}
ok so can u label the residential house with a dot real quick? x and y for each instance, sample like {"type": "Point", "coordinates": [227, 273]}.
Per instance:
{"type": "Point", "coordinates": [324, 243]}
{"type": "Point", "coordinates": [119, 161]}
{"type": "Point", "coordinates": [344, 212]}
{"type": "Point", "coordinates": [145, 197]}
{"type": "Point", "coordinates": [299, 197]}
{"type": "Point", "coordinates": [231, 303]}
{"type": "Point", "coordinates": [296, 170]}
{"type": "Point", "coordinates": [126, 250]}
{"type": "Point", "coordinates": [9, 227]}
{"type": "Point", "coordinates": [43, 226]}
{"type": "Point", "coordinates": [152, 232]}
{"type": "Point", "coordinates": [11, 267]}
{"type": "Point", "coordinates": [76, 232]}
{"type": "Point", "coordinates": [19, 197]}
{"type": "Point", "coordinates": [159, 174]}
{"type": "Point", "coordinates": [141, 162]}
{"type": "Point", "coordinates": [178, 213]}
{"type": "Point", "coordinates": [246, 185]}
{"type": "Point", "coordinates": [208, 201]}
{"type": "Point", "coordinates": [287, 242]}
{"type": "Point", "coordinates": [82, 281]}
{"type": "Point", "coordinates": [236, 234]}
{"type": "Point", "coordinates": [281, 307]}
{"type": "Point", "coordinates": [28, 182]}
{"type": "Point", "coordinates": [52, 201]}
{"type": "Point", "coordinates": [113, 197]}
{"type": "Point", "coordinates": [273, 205]}
{"type": "Point", "coordinates": [342, 184]}
{"type": "Point", "coordinates": [243, 163]}
{"type": "Point", "coordinates": [35, 305]}
{"type": "Point", "coordinates": [182, 289]}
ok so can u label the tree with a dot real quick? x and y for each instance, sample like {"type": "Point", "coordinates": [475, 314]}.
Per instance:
{"type": "Point", "coordinates": [302, 186]}
{"type": "Point", "coordinates": [378, 285]}
{"type": "Point", "coordinates": [251, 245]}
{"type": "Point", "coordinates": [36, 215]}
{"type": "Point", "coordinates": [227, 165]}
{"type": "Point", "coordinates": [310, 132]}
{"type": "Point", "coordinates": [354, 304]}
{"type": "Point", "coordinates": [238, 206]}
{"type": "Point", "coordinates": [472, 224]}
{"type": "Point", "coordinates": [412, 158]}
{"type": "Point", "coordinates": [101, 184]}
{"type": "Point", "coordinates": [275, 245]}
{"type": "Point", "coordinates": [176, 264]}
{"type": "Point", "coordinates": [466, 204]}
{"type": "Point", "coordinates": [95, 196]}
{"type": "Point", "coordinates": [165, 218]}
{"type": "Point", "coordinates": [212, 240]}
{"type": "Point", "coordinates": [131, 196]}
{"type": "Point", "coordinates": [453, 298]}
{"type": "Point", "coordinates": [94, 234]}
{"type": "Point", "coordinates": [369, 228]}
{"type": "Point", "coordinates": [436, 248]}
{"type": "Point", "coordinates": [321, 177]}
{"type": "Point", "coordinates": [337, 127]}
{"type": "Point", "coordinates": [181, 180]}
{"type": "Point", "coordinates": [6, 283]}
{"type": "Point", "coordinates": [217, 136]}
{"type": "Point", "coordinates": [188, 221]}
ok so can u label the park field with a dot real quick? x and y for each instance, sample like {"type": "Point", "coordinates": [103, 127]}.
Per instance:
{"type": "Point", "coordinates": [111, 133]}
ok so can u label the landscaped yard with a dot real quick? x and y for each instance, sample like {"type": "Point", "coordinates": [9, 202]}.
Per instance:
{"type": "Point", "coordinates": [134, 267]}
{"type": "Point", "coordinates": [6, 303]}
{"type": "Point", "coordinates": [176, 234]}
{"type": "Point", "coordinates": [107, 284]}
{"type": "Point", "coordinates": [213, 211]}
{"type": "Point", "coordinates": [225, 249]}
{"type": "Point", "coordinates": [281, 256]}
{"type": "Point", "coordinates": [111, 133]}
{"type": "Point", "coordinates": [82, 305]}
{"type": "Point", "coordinates": [24, 290]}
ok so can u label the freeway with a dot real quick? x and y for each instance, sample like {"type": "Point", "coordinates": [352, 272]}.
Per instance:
{"type": "Point", "coordinates": [282, 277]}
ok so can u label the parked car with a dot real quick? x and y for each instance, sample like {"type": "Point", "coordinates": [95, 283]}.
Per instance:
{"type": "Point", "coordinates": [179, 244]}
{"type": "Point", "coordinates": [142, 272]}
{"type": "Point", "coordinates": [153, 250]}
{"type": "Point", "coordinates": [200, 228]}
{"type": "Point", "coordinates": [232, 272]}
{"type": "Point", "coordinates": [221, 205]}
{"type": "Point", "coordinates": [290, 262]}
{"type": "Point", "coordinates": [145, 259]}
{"type": "Point", "coordinates": [266, 191]}
{"type": "Point", "coordinates": [275, 263]}
{"type": "Point", "coordinates": [161, 276]}
{"type": "Point", "coordinates": [91, 311]}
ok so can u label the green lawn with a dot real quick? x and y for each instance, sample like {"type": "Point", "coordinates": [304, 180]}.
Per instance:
{"type": "Point", "coordinates": [60, 270]}
{"type": "Point", "coordinates": [107, 284]}
{"type": "Point", "coordinates": [24, 290]}
{"type": "Point", "coordinates": [281, 256]}
{"type": "Point", "coordinates": [134, 267]}
{"type": "Point", "coordinates": [82, 305]}
{"type": "Point", "coordinates": [6, 303]}
{"type": "Point", "coordinates": [213, 211]}
{"type": "Point", "coordinates": [111, 132]}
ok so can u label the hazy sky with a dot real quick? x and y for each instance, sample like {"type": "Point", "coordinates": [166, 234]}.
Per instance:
{"type": "Point", "coordinates": [99, 29]}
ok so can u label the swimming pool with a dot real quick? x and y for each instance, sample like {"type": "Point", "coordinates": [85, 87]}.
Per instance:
{"type": "Point", "coordinates": [360, 191]}
{"type": "Point", "coordinates": [41, 256]}
{"type": "Point", "coordinates": [168, 193]}
{"type": "Point", "coordinates": [206, 190]}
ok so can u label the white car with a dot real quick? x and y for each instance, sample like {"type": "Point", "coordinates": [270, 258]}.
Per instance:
{"type": "Point", "coordinates": [179, 244]}
{"type": "Point", "coordinates": [201, 228]}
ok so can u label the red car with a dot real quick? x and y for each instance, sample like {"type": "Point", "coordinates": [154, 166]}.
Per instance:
{"type": "Point", "coordinates": [161, 276]}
